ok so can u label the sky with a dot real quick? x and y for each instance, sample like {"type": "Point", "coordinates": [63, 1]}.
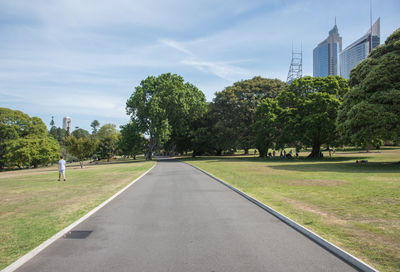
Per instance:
{"type": "Point", "coordinates": [84, 58]}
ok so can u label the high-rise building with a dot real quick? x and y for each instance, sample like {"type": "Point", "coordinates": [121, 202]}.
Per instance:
{"type": "Point", "coordinates": [67, 123]}
{"type": "Point", "coordinates": [359, 50]}
{"type": "Point", "coordinates": [326, 55]}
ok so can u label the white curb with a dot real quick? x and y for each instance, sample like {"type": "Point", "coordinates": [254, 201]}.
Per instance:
{"type": "Point", "coordinates": [15, 265]}
{"type": "Point", "coordinates": [347, 257]}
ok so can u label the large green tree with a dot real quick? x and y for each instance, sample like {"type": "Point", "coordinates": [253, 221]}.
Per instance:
{"type": "Point", "coordinates": [108, 141]}
{"type": "Point", "coordinates": [131, 142]}
{"type": "Point", "coordinates": [95, 124]}
{"type": "Point", "coordinates": [27, 136]}
{"type": "Point", "coordinates": [310, 107]}
{"type": "Point", "coordinates": [267, 125]}
{"type": "Point", "coordinates": [80, 133]}
{"type": "Point", "coordinates": [58, 133]}
{"type": "Point", "coordinates": [371, 109]}
{"type": "Point", "coordinates": [236, 106]}
{"type": "Point", "coordinates": [164, 107]}
{"type": "Point", "coordinates": [82, 147]}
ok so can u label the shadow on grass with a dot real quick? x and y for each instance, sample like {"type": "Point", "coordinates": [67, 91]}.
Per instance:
{"type": "Point", "coordinates": [338, 164]}
{"type": "Point", "coordinates": [117, 162]}
{"type": "Point", "coordinates": [351, 167]}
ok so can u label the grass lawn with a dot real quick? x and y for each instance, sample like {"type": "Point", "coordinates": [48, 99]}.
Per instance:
{"type": "Point", "coordinates": [355, 206]}
{"type": "Point", "coordinates": [34, 205]}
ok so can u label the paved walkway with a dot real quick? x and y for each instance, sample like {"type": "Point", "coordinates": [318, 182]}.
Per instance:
{"type": "Point", "coordinates": [179, 219]}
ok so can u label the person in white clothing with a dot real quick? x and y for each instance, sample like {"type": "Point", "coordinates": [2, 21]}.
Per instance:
{"type": "Point", "coordinates": [61, 168]}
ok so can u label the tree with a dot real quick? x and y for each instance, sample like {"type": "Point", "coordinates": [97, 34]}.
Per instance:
{"type": "Point", "coordinates": [82, 148]}
{"type": "Point", "coordinates": [371, 109]}
{"type": "Point", "coordinates": [80, 133]}
{"type": "Point", "coordinates": [131, 142]}
{"type": "Point", "coordinates": [108, 139]}
{"type": "Point", "coordinates": [95, 124]}
{"type": "Point", "coordinates": [24, 140]}
{"type": "Point", "coordinates": [163, 108]}
{"type": "Point", "coordinates": [267, 125]}
{"type": "Point", "coordinates": [52, 123]}
{"type": "Point", "coordinates": [310, 107]}
{"type": "Point", "coordinates": [58, 133]}
{"type": "Point", "coordinates": [236, 106]}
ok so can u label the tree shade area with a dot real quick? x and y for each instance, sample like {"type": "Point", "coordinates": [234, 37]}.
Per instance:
{"type": "Point", "coordinates": [371, 110]}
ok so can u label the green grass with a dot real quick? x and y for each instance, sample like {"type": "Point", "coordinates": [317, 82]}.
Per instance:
{"type": "Point", "coordinates": [34, 205]}
{"type": "Point", "coordinates": [355, 206]}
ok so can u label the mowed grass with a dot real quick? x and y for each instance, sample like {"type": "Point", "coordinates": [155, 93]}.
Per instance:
{"type": "Point", "coordinates": [34, 205]}
{"type": "Point", "coordinates": [355, 206]}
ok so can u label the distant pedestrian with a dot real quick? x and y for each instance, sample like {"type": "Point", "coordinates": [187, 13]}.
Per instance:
{"type": "Point", "coordinates": [273, 153]}
{"type": "Point", "coordinates": [61, 168]}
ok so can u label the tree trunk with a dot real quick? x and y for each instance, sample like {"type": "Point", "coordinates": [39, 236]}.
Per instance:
{"type": "Point", "coordinates": [219, 152]}
{"type": "Point", "coordinates": [316, 150]}
{"type": "Point", "coordinates": [246, 151]}
{"type": "Point", "coordinates": [81, 163]}
{"type": "Point", "coordinates": [150, 150]}
{"type": "Point", "coordinates": [261, 152]}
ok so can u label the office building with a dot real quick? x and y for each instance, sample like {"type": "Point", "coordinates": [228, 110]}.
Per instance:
{"type": "Point", "coordinates": [359, 50]}
{"type": "Point", "coordinates": [326, 55]}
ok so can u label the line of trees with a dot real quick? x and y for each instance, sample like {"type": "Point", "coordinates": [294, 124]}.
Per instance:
{"type": "Point", "coordinates": [171, 115]}
{"type": "Point", "coordinates": [267, 113]}
{"type": "Point", "coordinates": [24, 141]}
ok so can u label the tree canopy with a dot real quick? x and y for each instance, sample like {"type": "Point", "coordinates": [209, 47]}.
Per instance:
{"type": "Point", "coordinates": [163, 108]}
{"type": "Point", "coordinates": [371, 109]}
{"type": "Point", "coordinates": [236, 105]}
{"type": "Point", "coordinates": [81, 147]}
{"type": "Point", "coordinates": [309, 114]}
{"type": "Point", "coordinates": [80, 133]}
{"type": "Point", "coordinates": [107, 137]}
{"type": "Point", "coordinates": [131, 142]}
{"type": "Point", "coordinates": [24, 140]}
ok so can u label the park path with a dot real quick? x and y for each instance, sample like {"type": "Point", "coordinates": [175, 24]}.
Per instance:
{"type": "Point", "coordinates": [178, 219]}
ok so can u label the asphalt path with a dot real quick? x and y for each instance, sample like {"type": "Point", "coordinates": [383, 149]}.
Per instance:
{"type": "Point", "coordinates": [178, 219]}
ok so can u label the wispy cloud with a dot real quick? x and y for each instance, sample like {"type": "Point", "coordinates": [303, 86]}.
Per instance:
{"type": "Point", "coordinates": [85, 57]}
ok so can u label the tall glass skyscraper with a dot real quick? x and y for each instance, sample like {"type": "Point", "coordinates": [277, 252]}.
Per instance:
{"type": "Point", "coordinates": [326, 55]}
{"type": "Point", "coordinates": [359, 50]}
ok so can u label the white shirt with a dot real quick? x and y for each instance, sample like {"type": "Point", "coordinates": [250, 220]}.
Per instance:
{"type": "Point", "coordinates": [61, 164]}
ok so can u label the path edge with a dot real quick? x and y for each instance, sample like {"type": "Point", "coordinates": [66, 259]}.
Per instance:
{"type": "Point", "coordinates": [25, 258]}
{"type": "Point", "coordinates": [341, 253]}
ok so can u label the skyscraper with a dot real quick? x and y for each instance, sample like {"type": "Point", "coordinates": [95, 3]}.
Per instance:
{"type": "Point", "coordinates": [67, 124]}
{"type": "Point", "coordinates": [326, 55]}
{"type": "Point", "coordinates": [359, 50]}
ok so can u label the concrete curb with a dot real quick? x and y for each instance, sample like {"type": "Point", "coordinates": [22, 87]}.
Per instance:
{"type": "Point", "coordinates": [18, 263]}
{"type": "Point", "coordinates": [347, 257]}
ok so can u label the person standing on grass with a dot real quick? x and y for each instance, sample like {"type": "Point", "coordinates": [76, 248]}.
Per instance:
{"type": "Point", "coordinates": [61, 168]}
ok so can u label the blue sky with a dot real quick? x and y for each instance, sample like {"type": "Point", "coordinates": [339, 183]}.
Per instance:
{"type": "Point", "coordinates": [83, 58]}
